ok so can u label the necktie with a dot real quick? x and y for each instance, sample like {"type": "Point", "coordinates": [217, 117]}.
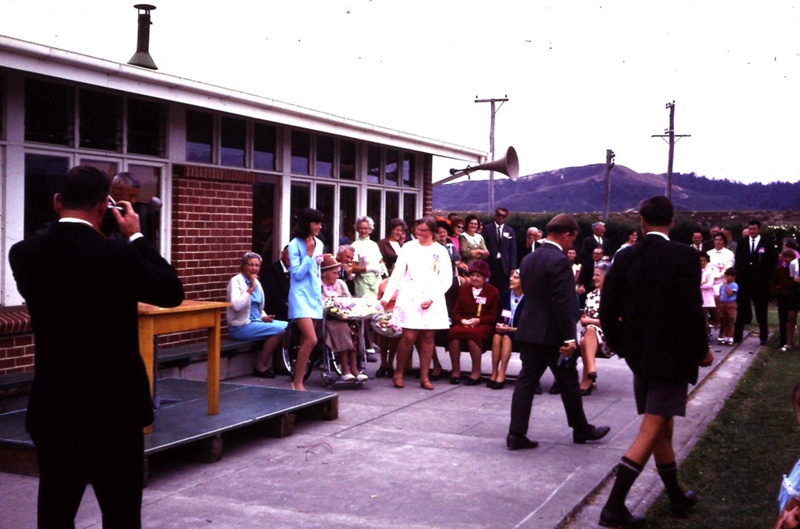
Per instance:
{"type": "Point", "coordinates": [752, 245]}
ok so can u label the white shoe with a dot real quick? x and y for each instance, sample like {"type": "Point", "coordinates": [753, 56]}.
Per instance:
{"type": "Point", "coordinates": [348, 377]}
{"type": "Point", "coordinates": [729, 341]}
{"type": "Point", "coordinates": [720, 341]}
{"type": "Point", "coordinates": [785, 349]}
{"type": "Point", "coordinates": [361, 377]}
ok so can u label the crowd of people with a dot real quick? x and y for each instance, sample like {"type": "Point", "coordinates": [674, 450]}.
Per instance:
{"type": "Point", "coordinates": [465, 286]}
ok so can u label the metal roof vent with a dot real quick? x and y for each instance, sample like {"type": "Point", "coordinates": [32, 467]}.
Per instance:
{"type": "Point", "coordinates": [142, 56]}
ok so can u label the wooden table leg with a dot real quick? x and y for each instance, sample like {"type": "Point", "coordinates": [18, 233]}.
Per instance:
{"type": "Point", "coordinates": [213, 365]}
{"type": "Point", "coordinates": [147, 351]}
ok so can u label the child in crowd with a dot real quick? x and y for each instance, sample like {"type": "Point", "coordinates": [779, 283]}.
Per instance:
{"type": "Point", "coordinates": [707, 288]}
{"type": "Point", "coordinates": [727, 308]}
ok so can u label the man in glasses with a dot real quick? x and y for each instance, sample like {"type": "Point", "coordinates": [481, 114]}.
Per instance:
{"type": "Point", "coordinates": [502, 246]}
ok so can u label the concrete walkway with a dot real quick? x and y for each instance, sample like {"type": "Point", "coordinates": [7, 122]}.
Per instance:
{"type": "Point", "coordinates": [411, 459]}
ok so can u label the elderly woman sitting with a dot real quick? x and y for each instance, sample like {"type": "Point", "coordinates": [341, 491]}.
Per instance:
{"type": "Point", "coordinates": [339, 333]}
{"type": "Point", "coordinates": [474, 317]}
{"type": "Point", "coordinates": [246, 317]}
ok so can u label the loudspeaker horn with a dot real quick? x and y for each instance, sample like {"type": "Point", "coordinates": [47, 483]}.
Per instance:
{"type": "Point", "coordinates": [508, 165]}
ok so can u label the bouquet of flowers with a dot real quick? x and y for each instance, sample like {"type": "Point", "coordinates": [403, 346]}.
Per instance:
{"type": "Point", "coordinates": [345, 308]}
{"type": "Point", "coordinates": [383, 325]}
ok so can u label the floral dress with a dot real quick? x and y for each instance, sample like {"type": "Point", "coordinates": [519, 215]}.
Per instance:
{"type": "Point", "coordinates": [593, 311]}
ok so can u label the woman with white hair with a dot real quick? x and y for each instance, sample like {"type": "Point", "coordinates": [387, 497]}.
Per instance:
{"type": "Point", "coordinates": [367, 261]}
{"type": "Point", "coordinates": [246, 317]}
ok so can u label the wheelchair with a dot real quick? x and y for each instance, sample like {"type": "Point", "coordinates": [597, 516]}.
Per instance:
{"type": "Point", "coordinates": [321, 356]}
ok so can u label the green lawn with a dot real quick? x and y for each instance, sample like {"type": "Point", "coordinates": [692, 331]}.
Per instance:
{"type": "Point", "coordinates": [737, 465]}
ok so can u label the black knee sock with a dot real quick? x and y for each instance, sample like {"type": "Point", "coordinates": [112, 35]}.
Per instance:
{"type": "Point", "coordinates": [627, 472]}
{"type": "Point", "coordinates": [669, 475]}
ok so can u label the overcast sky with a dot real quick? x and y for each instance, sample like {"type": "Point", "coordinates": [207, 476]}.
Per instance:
{"type": "Point", "coordinates": [581, 76]}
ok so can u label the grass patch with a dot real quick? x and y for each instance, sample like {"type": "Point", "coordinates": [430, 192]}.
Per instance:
{"type": "Point", "coordinates": [737, 464]}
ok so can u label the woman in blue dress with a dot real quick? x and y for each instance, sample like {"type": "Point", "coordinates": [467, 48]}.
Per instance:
{"type": "Point", "coordinates": [246, 317]}
{"type": "Point", "coordinates": [305, 288]}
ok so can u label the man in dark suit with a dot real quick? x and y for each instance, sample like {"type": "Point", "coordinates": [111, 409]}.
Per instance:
{"type": "Point", "coordinates": [598, 239]}
{"type": "Point", "coordinates": [502, 246]}
{"type": "Point", "coordinates": [755, 264]}
{"type": "Point", "coordinates": [697, 243]}
{"type": "Point", "coordinates": [275, 277]}
{"type": "Point", "coordinates": [651, 314]}
{"type": "Point", "coordinates": [546, 335]}
{"type": "Point", "coordinates": [91, 396]}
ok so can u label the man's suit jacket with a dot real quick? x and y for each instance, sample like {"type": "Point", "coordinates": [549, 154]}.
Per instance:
{"type": "Point", "coordinates": [587, 247]}
{"type": "Point", "coordinates": [754, 270]}
{"type": "Point", "coordinates": [549, 288]}
{"type": "Point", "coordinates": [82, 291]}
{"type": "Point", "coordinates": [276, 290]}
{"type": "Point", "coordinates": [651, 310]}
{"type": "Point", "coordinates": [507, 246]}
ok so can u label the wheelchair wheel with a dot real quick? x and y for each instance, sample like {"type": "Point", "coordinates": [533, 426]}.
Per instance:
{"type": "Point", "coordinates": [291, 344]}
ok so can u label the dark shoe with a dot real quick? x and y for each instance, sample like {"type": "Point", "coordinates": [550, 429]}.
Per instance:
{"type": "Point", "coordinates": [763, 342]}
{"type": "Point", "coordinates": [382, 372]}
{"type": "Point", "coordinates": [538, 389]}
{"type": "Point", "coordinates": [519, 442]}
{"type": "Point", "coordinates": [499, 385]}
{"type": "Point", "coordinates": [592, 433]}
{"type": "Point", "coordinates": [555, 389]}
{"type": "Point", "coordinates": [626, 520]}
{"type": "Point", "coordinates": [490, 384]}
{"type": "Point", "coordinates": [455, 380]}
{"type": "Point", "coordinates": [436, 376]}
{"type": "Point", "coordinates": [586, 392]}
{"type": "Point", "coordinates": [472, 381]}
{"type": "Point", "coordinates": [681, 508]}
{"type": "Point", "coordinates": [269, 373]}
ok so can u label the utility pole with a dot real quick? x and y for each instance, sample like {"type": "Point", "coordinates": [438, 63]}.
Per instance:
{"type": "Point", "coordinates": [670, 134]}
{"type": "Point", "coordinates": [495, 108]}
{"type": "Point", "coordinates": [609, 166]}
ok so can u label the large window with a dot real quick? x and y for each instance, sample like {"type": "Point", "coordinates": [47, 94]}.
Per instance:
{"type": "Point", "coordinates": [374, 211]}
{"type": "Point", "coordinates": [234, 141]}
{"type": "Point", "coordinates": [409, 170]}
{"type": "Point", "coordinates": [374, 164]}
{"type": "Point", "coordinates": [325, 156]}
{"type": "Point", "coordinates": [347, 160]}
{"type": "Point", "coordinates": [100, 121]}
{"type": "Point", "coordinates": [301, 148]}
{"type": "Point", "coordinates": [49, 113]}
{"type": "Point", "coordinates": [147, 126]}
{"type": "Point", "coordinates": [265, 139]}
{"type": "Point", "coordinates": [264, 221]}
{"type": "Point", "coordinates": [348, 205]}
{"type": "Point", "coordinates": [325, 204]}
{"type": "Point", "coordinates": [199, 137]}
{"type": "Point", "coordinates": [391, 170]}
{"type": "Point", "coordinates": [43, 174]}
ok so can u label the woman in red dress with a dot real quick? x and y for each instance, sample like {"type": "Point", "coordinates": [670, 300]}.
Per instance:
{"type": "Point", "coordinates": [474, 317]}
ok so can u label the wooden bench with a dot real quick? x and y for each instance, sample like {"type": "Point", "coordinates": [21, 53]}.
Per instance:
{"type": "Point", "coordinates": [198, 351]}
{"type": "Point", "coordinates": [177, 353]}
{"type": "Point", "coordinates": [16, 380]}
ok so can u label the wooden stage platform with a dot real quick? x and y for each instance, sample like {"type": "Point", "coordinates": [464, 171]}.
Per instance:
{"type": "Point", "coordinates": [182, 419]}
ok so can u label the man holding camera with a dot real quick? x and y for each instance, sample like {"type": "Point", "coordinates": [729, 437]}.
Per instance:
{"type": "Point", "coordinates": [91, 396]}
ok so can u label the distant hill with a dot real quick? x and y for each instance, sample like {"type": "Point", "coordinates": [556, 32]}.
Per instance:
{"type": "Point", "coordinates": [582, 190]}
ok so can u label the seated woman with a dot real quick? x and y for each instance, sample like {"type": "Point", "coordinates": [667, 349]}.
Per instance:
{"type": "Point", "coordinates": [512, 302]}
{"type": "Point", "coordinates": [592, 334]}
{"type": "Point", "coordinates": [246, 317]}
{"type": "Point", "coordinates": [339, 333]}
{"type": "Point", "coordinates": [474, 317]}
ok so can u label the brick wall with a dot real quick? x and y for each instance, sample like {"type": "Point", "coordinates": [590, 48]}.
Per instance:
{"type": "Point", "coordinates": [16, 353]}
{"type": "Point", "coordinates": [212, 227]}
{"type": "Point", "coordinates": [427, 184]}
